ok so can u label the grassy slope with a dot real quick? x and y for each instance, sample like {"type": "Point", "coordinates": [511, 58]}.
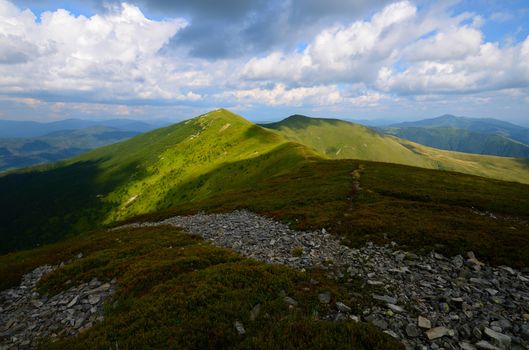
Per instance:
{"type": "Point", "coordinates": [420, 209]}
{"type": "Point", "coordinates": [150, 172]}
{"type": "Point", "coordinates": [177, 292]}
{"type": "Point", "coordinates": [461, 140]}
{"type": "Point", "coordinates": [343, 140]}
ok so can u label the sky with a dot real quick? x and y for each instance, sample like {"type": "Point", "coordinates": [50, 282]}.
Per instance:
{"type": "Point", "coordinates": [264, 59]}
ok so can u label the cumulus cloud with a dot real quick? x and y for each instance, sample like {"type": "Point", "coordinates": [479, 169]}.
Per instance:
{"type": "Point", "coordinates": [113, 55]}
{"type": "Point", "coordinates": [297, 53]}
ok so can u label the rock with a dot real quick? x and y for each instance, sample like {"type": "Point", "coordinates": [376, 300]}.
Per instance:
{"type": "Point", "coordinates": [412, 331]}
{"type": "Point", "coordinates": [73, 301]}
{"type": "Point", "coordinates": [324, 298]}
{"type": "Point", "coordinates": [436, 332]}
{"type": "Point", "coordinates": [477, 333]}
{"type": "Point", "coordinates": [380, 323]}
{"type": "Point", "coordinates": [391, 333]}
{"type": "Point", "coordinates": [485, 345]}
{"type": "Point", "coordinates": [342, 307]}
{"type": "Point", "coordinates": [497, 337]}
{"type": "Point", "coordinates": [385, 298]}
{"type": "Point", "coordinates": [466, 346]}
{"type": "Point", "coordinates": [524, 331]}
{"type": "Point", "coordinates": [240, 328]}
{"type": "Point", "coordinates": [26, 317]}
{"type": "Point", "coordinates": [255, 312]}
{"type": "Point", "coordinates": [395, 308]}
{"type": "Point", "coordinates": [93, 299]}
{"type": "Point", "coordinates": [462, 295]}
{"type": "Point", "coordinates": [424, 323]}
{"type": "Point", "coordinates": [491, 291]}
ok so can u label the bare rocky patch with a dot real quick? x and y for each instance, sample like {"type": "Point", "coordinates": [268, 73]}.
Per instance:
{"type": "Point", "coordinates": [428, 302]}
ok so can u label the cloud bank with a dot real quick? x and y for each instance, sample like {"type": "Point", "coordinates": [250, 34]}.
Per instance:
{"type": "Point", "coordinates": [344, 56]}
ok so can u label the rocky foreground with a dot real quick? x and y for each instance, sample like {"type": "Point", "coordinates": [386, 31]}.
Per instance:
{"type": "Point", "coordinates": [26, 317]}
{"type": "Point", "coordinates": [428, 302]}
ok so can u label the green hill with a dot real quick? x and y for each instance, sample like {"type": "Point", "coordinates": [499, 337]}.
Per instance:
{"type": "Point", "coordinates": [339, 139]}
{"type": "Point", "coordinates": [220, 161]}
{"type": "Point", "coordinates": [150, 172]}
{"type": "Point", "coordinates": [460, 140]}
{"type": "Point", "coordinates": [480, 125]}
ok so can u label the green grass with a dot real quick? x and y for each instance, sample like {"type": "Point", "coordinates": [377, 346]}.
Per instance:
{"type": "Point", "coordinates": [151, 172]}
{"type": "Point", "coordinates": [460, 140]}
{"type": "Point", "coordinates": [176, 291]}
{"type": "Point", "coordinates": [221, 162]}
{"type": "Point", "coordinates": [420, 209]}
{"type": "Point", "coordinates": [337, 139]}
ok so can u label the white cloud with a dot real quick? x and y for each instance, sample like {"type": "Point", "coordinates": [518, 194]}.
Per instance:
{"type": "Point", "coordinates": [111, 56]}
{"type": "Point", "coordinates": [280, 95]}
{"type": "Point", "coordinates": [426, 53]}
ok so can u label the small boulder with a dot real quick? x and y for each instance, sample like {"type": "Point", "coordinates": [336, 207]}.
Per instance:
{"type": "Point", "coordinates": [342, 307]}
{"type": "Point", "coordinates": [424, 323]}
{"type": "Point", "coordinates": [240, 328]}
{"type": "Point", "coordinates": [325, 298]}
{"type": "Point", "coordinates": [437, 332]}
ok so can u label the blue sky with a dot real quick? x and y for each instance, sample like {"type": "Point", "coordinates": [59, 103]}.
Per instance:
{"type": "Point", "coordinates": [159, 59]}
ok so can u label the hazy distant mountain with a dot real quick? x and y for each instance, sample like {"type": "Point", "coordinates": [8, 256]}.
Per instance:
{"type": "Point", "coordinates": [21, 152]}
{"type": "Point", "coordinates": [461, 140]}
{"type": "Point", "coordinates": [479, 125]}
{"type": "Point", "coordinates": [14, 128]}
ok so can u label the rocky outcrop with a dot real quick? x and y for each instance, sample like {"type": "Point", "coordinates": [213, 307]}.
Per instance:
{"type": "Point", "coordinates": [26, 317]}
{"type": "Point", "coordinates": [429, 302]}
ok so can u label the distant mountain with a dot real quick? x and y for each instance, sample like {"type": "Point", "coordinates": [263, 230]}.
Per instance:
{"type": "Point", "coordinates": [14, 128]}
{"type": "Point", "coordinates": [461, 140]}
{"type": "Point", "coordinates": [478, 125]}
{"type": "Point", "coordinates": [339, 139]}
{"type": "Point", "coordinates": [371, 122]}
{"type": "Point", "coordinates": [58, 145]}
{"type": "Point", "coordinates": [216, 155]}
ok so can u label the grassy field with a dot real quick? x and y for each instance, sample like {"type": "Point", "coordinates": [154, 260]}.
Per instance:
{"type": "Point", "coordinates": [148, 173]}
{"type": "Point", "coordinates": [175, 291]}
{"type": "Point", "coordinates": [421, 209]}
{"type": "Point", "coordinates": [337, 139]}
{"type": "Point", "coordinates": [220, 161]}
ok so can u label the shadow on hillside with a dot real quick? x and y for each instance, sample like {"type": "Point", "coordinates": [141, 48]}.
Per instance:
{"type": "Point", "coordinates": [524, 162]}
{"type": "Point", "coordinates": [49, 203]}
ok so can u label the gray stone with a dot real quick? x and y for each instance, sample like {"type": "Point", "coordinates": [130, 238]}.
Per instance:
{"type": "Point", "coordinates": [466, 346]}
{"type": "Point", "coordinates": [423, 322]}
{"type": "Point", "coordinates": [254, 313]}
{"type": "Point", "coordinates": [380, 323]}
{"type": "Point", "coordinates": [395, 308]}
{"type": "Point", "coordinates": [73, 301]}
{"type": "Point", "coordinates": [436, 332]}
{"type": "Point", "coordinates": [385, 298]}
{"type": "Point", "coordinates": [325, 298]}
{"type": "Point", "coordinates": [342, 307]}
{"type": "Point", "coordinates": [240, 328]}
{"type": "Point", "coordinates": [524, 331]}
{"type": "Point", "coordinates": [412, 331]}
{"type": "Point", "coordinates": [94, 298]}
{"type": "Point", "coordinates": [485, 345]}
{"type": "Point", "coordinates": [498, 338]}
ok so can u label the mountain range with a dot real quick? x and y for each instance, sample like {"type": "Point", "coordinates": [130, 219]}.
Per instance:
{"type": "Point", "coordinates": [57, 145]}
{"type": "Point", "coordinates": [470, 135]}
{"type": "Point", "coordinates": [15, 128]}
{"type": "Point", "coordinates": [189, 162]}
{"type": "Point", "coordinates": [150, 284]}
